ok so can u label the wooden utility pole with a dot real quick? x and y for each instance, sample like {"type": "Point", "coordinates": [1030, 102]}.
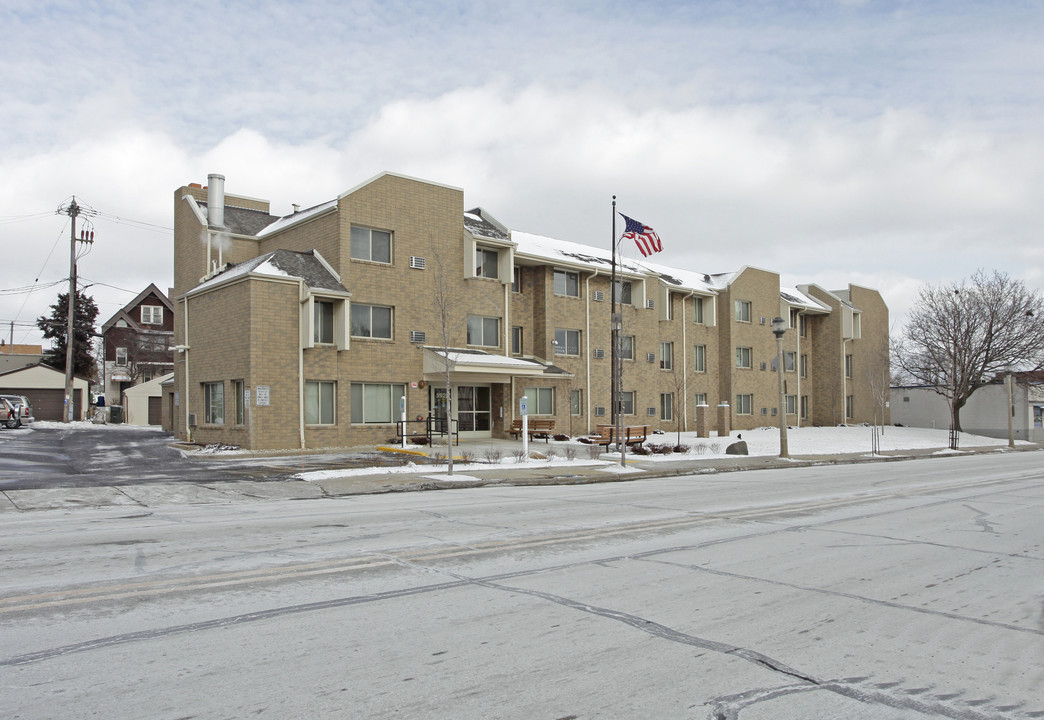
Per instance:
{"type": "Point", "coordinates": [73, 211]}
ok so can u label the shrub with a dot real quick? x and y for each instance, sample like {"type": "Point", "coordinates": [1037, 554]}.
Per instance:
{"type": "Point", "coordinates": [438, 459]}
{"type": "Point", "coordinates": [640, 450]}
{"type": "Point", "coordinates": [419, 440]}
{"type": "Point", "coordinates": [560, 437]}
{"type": "Point", "coordinates": [594, 451]}
{"type": "Point", "coordinates": [585, 441]}
{"type": "Point", "coordinates": [570, 453]}
{"type": "Point", "coordinates": [467, 457]}
{"type": "Point", "coordinates": [550, 454]}
{"type": "Point", "coordinates": [520, 455]}
{"type": "Point", "coordinates": [493, 456]}
{"type": "Point", "coordinates": [681, 448]}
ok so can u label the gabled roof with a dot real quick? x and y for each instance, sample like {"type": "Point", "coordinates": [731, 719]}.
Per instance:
{"type": "Point", "coordinates": [480, 223]}
{"type": "Point", "coordinates": [126, 312]}
{"type": "Point", "coordinates": [798, 299]}
{"type": "Point", "coordinates": [242, 221]}
{"type": "Point", "coordinates": [307, 266]}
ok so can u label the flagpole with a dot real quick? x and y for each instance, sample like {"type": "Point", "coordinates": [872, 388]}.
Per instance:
{"type": "Point", "coordinates": [615, 321]}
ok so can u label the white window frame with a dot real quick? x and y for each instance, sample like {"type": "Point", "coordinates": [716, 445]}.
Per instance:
{"type": "Point", "coordinates": [516, 279]}
{"type": "Point", "coordinates": [359, 309]}
{"type": "Point", "coordinates": [483, 326]}
{"type": "Point", "coordinates": [121, 357]}
{"type": "Point", "coordinates": [151, 314]}
{"type": "Point", "coordinates": [214, 403]}
{"type": "Point", "coordinates": [320, 402]}
{"type": "Point", "coordinates": [699, 358]}
{"type": "Point", "coordinates": [848, 366]}
{"type": "Point", "coordinates": [540, 400]}
{"type": "Point", "coordinates": [627, 402]}
{"type": "Point", "coordinates": [322, 325]}
{"type": "Point", "coordinates": [576, 402]}
{"type": "Point", "coordinates": [482, 262]}
{"type": "Point", "coordinates": [516, 339]}
{"type": "Point", "coordinates": [744, 404]}
{"type": "Point", "coordinates": [791, 403]}
{"type": "Point", "coordinates": [666, 355]}
{"type": "Point", "coordinates": [697, 400]}
{"type": "Point", "coordinates": [744, 358]}
{"type": "Point", "coordinates": [363, 415]}
{"type": "Point", "coordinates": [563, 345]}
{"type": "Point", "coordinates": [624, 288]}
{"type": "Point", "coordinates": [620, 350]}
{"type": "Point", "coordinates": [239, 402]}
{"type": "Point", "coordinates": [789, 361]}
{"type": "Point", "coordinates": [667, 406]}
{"type": "Point", "coordinates": [565, 290]}
{"type": "Point", "coordinates": [359, 235]}
{"type": "Point", "coordinates": [743, 311]}
{"type": "Point", "coordinates": [698, 311]}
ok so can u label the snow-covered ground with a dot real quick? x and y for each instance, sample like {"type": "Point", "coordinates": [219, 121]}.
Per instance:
{"type": "Point", "coordinates": [761, 441]}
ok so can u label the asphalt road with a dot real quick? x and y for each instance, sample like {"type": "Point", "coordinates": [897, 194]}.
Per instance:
{"type": "Point", "coordinates": [56, 458]}
{"type": "Point", "coordinates": [895, 591]}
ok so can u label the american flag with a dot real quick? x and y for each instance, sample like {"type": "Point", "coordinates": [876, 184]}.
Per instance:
{"type": "Point", "coordinates": [644, 237]}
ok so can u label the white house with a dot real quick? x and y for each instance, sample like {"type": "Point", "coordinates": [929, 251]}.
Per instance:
{"type": "Point", "coordinates": [143, 404]}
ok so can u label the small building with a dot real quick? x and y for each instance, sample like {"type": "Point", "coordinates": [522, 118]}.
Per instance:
{"type": "Point", "coordinates": [986, 412]}
{"type": "Point", "coordinates": [136, 343]}
{"type": "Point", "coordinates": [45, 388]}
{"type": "Point", "coordinates": [143, 403]}
{"type": "Point", "coordinates": [13, 356]}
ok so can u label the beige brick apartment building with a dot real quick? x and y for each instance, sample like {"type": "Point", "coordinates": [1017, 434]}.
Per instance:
{"type": "Point", "coordinates": [305, 330]}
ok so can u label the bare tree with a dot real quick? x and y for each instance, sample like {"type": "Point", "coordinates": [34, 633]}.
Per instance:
{"type": "Point", "coordinates": [879, 382]}
{"type": "Point", "coordinates": [443, 310]}
{"type": "Point", "coordinates": [958, 336]}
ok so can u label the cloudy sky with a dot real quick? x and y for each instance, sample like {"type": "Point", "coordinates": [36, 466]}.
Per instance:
{"type": "Point", "coordinates": [880, 142]}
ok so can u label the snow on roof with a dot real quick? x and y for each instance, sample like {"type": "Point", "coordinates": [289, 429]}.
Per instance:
{"type": "Point", "coordinates": [280, 263]}
{"type": "Point", "coordinates": [800, 299]}
{"type": "Point", "coordinates": [288, 220]}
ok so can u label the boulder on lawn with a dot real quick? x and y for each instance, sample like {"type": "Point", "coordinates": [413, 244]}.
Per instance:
{"type": "Point", "coordinates": [737, 448]}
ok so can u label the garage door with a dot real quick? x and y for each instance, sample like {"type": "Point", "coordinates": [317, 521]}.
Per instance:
{"type": "Point", "coordinates": [155, 411]}
{"type": "Point", "coordinates": [47, 404]}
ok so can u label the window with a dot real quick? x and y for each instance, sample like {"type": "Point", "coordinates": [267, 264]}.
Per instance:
{"type": "Point", "coordinates": [372, 245]}
{"type": "Point", "coordinates": [666, 355]}
{"type": "Point", "coordinates": [516, 340]}
{"type": "Point", "coordinates": [567, 283]}
{"type": "Point", "coordinates": [623, 292]}
{"type": "Point", "coordinates": [857, 325]}
{"type": "Point", "coordinates": [699, 358]}
{"type": "Point", "coordinates": [743, 357]}
{"type": "Point", "coordinates": [666, 406]}
{"type": "Point", "coordinates": [804, 406]}
{"type": "Point", "coordinates": [802, 325]}
{"type": "Point", "coordinates": [376, 402]}
{"type": "Point", "coordinates": [121, 357]}
{"type": "Point", "coordinates": [849, 407]}
{"type": "Point", "coordinates": [483, 331]}
{"type": "Point", "coordinates": [576, 402]}
{"type": "Point", "coordinates": [794, 315]}
{"type": "Point", "coordinates": [789, 361]}
{"type": "Point", "coordinates": [627, 402]}
{"type": "Point", "coordinates": [697, 304]}
{"type": "Point", "coordinates": [541, 400]}
{"type": "Point", "coordinates": [700, 399]}
{"type": "Point", "coordinates": [567, 342]}
{"type": "Point", "coordinates": [153, 342]}
{"type": "Point", "coordinates": [323, 331]}
{"type": "Point", "coordinates": [744, 404]}
{"type": "Point", "coordinates": [214, 403]}
{"type": "Point", "coordinates": [152, 314]}
{"type": "Point", "coordinates": [791, 401]}
{"type": "Point", "coordinates": [626, 349]}
{"type": "Point", "coordinates": [487, 263]}
{"type": "Point", "coordinates": [804, 365]}
{"type": "Point", "coordinates": [848, 366]}
{"type": "Point", "coordinates": [516, 279]}
{"type": "Point", "coordinates": [146, 375]}
{"type": "Point", "coordinates": [743, 311]}
{"type": "Point", "coordinates": [239, 398]}
{"type": "Point", "coordinates": [370, 321]}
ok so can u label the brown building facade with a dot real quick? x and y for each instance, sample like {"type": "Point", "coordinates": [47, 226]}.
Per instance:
{"type": "Point", "coordinates": [308, 330]}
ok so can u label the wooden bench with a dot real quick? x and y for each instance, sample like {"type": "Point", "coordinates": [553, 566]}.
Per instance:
{"type": "Point", "coordinates": [538, 427]}
{"type": "Point", "coordinates": [632, 435]}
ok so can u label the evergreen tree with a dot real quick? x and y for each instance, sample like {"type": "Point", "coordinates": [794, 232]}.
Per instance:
{"type": "Point", "coordinates": [54, 329]}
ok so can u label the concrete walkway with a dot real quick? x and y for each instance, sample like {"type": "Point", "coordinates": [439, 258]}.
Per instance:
{"type": "Point", "coordinates": [433, 477]}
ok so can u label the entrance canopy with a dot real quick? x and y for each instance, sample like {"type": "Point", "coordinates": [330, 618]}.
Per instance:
{"type": "Point", "coordinates": [478, 366]}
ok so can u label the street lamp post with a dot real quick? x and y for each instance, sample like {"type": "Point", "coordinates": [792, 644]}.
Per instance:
{"type": "Point", "coordinates": [779, 326]}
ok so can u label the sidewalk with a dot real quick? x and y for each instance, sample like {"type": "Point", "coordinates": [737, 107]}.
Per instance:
{"type": "Point", "coordinates": [431, 477]}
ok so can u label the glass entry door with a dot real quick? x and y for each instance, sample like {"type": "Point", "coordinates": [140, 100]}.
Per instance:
{"type": "Point", "coordinates": [474, 408]}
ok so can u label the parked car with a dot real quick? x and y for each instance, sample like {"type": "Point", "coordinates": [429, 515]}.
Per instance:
{"type": "Point", "coordinates": [8, 414]}
{"type": "Point", "coordinates": [22, 410]}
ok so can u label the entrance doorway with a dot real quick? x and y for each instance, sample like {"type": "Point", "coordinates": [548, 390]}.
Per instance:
{"type": "Point", "coordinates": [471, 406]}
